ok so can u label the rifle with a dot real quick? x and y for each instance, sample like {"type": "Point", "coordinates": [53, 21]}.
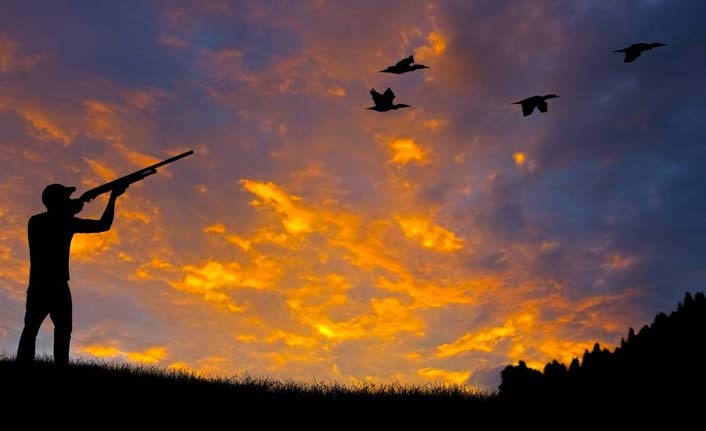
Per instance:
{"type": "Point", "coordinates": [126, 180]}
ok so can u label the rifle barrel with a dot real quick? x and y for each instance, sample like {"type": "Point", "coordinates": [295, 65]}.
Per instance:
{"type": "Point", "coordinates": [130, 178]}
{"type": "Point", "coordinates": [166, 162]}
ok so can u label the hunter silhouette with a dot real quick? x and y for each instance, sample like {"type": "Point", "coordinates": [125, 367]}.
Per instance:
{"type": "Point", "coordinates": [50, 235]}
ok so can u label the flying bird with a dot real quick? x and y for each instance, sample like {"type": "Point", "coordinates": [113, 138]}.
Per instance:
{"type": "Point", "coordinates": [383, 102]}
{"type": "Point", "coordinates": [633, 51]}
{"type": "Point", "coordinates": [404, 66]}
{"type": "Point", "coordinates": [539, 102]}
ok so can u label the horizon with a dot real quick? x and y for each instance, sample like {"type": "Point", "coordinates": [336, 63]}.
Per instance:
{"type": "Point", "coordinates": [310, 238]}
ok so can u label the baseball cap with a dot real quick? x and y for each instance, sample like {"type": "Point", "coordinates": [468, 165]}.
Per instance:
{"type": "Point", "coordinates": [56, 193]}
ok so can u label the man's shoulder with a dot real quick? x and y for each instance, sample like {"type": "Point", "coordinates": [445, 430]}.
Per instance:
{"type": "Point", "coordinates": [38, 217]}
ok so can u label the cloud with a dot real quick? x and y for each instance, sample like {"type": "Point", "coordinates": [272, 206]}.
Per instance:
{"type": "Point", "coordinates": [12, 60]}
{"type": "Point", "coordinates": [214, 280]}
{"type": "Point", "coordinates": [428, 234]}
{"type": "Point", "coordinates": [520, 158]}
{"type": "Point", "coordinates": [436, 45]}
{"type": "Point", "coordinates": [152, 355]}
{"type": "Point", "coordinates": [297, 219]}
{"type": "Point", "coordinates": [435, 124]}
{"type": "Point", "coordinates": [44, 128]}
{"type": "Point", "coordinates": [104, 172]}
{"type": "Point", "coordinates": [483, 340]}
{"type": "Point", "coordinates": [618, 262]}
{"type": "Point", "coordinates": [448, 377]}
{"type": "Point", "coordinates": [406, 151]}
{"type": "Point", "coordinates": [88, 246]}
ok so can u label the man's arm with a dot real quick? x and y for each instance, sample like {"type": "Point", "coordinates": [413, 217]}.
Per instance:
{"type": "Point", "coordinates": [105, 222]}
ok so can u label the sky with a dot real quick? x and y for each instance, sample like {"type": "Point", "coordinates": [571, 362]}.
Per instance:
{"type": "Point", "coordinates": [312, 239]}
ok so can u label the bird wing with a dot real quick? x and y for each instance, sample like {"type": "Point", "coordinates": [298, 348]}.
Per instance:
{"type": "Point", "coordinates": [405, 62]}
{"type": "Point", "coordinates": [631, 55]}
{"type": "Point", "coordinates": [388, 96]}
{"type": "Point", "coordinates": [527, 108]}
{"type": "Point", "coordinates": [543, 107]}
{"type": "Point", "coordinates": [378, 98]}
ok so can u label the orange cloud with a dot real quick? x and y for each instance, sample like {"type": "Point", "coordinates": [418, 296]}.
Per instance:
{"type": "Point", "coordinates": [151, 355]}
{"type": "Point", "coordinates": [387, 319]}
{"type": "Point", "coordinates": [435, 123]}
{"type": "Point", "coordinates": [216, 280]}
{"type": "Point", "coordinates": [448, 377]}
{"type": "Point", "coordinates": [296, 218]}
{"type": "Point", "coordinates": [44, 127]}
{"type": "Point", "coordinates": [428, 234]}
{"type": "Point", "coordinates": [148, 356]}
{"type": "Point", "coordinates": [314, 303]}
{"type": "Point", "coordinates": [215, 228]}
{"type": "Point", "coordinates": [405, 150]}
{"type": "Point", "coordinates": [336, 91]}
{"type": "Point", "coordinates": [88, 247]}
{"type": "Point", "coordinates": [529, 336]}
{"type": "Point", "coordinates": [438, 293]}
{"type": "Point", "coordinates": [290, 339]}
{"type": "Point", "coordinates": [11, 60]}
{"type": "Point", "coordinates": [101, 351]}
{"type": "Point", "coordinates": [138, 159]}
{"type": "Point", "coordinates": [104, 172]}
{"type": "Point", "coordinates": [484, 340]}
{"type": "Point", "coordinates": [13, 270]}
{"type": "Point", "coordinates": [211, 281]}
{"type": "Point", "coordinates": [520, 158]}
{"type": "Point", "coordinates": [102, 121]}
{"type": "Point", "coordinates": [436, 45]}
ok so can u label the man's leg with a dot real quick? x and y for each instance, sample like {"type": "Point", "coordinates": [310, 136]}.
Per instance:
{"type": "Point", "coordinates": [60, 314]}
{"type": "Point", "coordinates": [36, 310]}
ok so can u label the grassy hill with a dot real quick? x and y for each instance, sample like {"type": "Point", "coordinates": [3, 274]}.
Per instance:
{"type": "Point", "coordinates": [660, 370]}
{"type": "Point", "coordinates": [105, 387]}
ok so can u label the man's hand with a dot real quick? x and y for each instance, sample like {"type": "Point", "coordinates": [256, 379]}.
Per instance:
{"type": "Point", "coordinates": [117, 191]}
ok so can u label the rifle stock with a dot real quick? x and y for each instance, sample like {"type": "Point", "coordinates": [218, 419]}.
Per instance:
{"type": "Point", "coordinates": [128, 179]}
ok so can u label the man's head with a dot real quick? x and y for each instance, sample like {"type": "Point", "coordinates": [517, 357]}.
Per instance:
{"type": "Point", "coordinates": [56, 197]}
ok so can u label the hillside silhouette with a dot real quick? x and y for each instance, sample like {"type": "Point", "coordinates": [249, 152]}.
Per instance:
{"type": "Point", "coordinates": [117, 391]}
{"type": "Point", "coordinates": [662, 363]}
{"type": "Point", "coordinates": [656, 371]}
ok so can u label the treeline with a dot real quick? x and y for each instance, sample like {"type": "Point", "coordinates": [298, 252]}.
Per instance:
{"type": "Point", "coordinates": [663, 360]}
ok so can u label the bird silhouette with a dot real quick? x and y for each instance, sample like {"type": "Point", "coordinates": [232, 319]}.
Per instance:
{"type": "Point", "coordinates": [539, 102]}
{"type": "Point", "coordinates": [404, 66]}
{"type": "Point", "coordinates": [383, 102]}
{"type": "Point", "coordinates": [633, 51]}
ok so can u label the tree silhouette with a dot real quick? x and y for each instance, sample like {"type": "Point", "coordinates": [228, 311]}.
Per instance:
{"type": "Point", "coordinates": [662, 360]}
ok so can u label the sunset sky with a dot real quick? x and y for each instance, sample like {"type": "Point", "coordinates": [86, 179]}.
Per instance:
{"type": "Point", "coordinates": [310, 238]}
